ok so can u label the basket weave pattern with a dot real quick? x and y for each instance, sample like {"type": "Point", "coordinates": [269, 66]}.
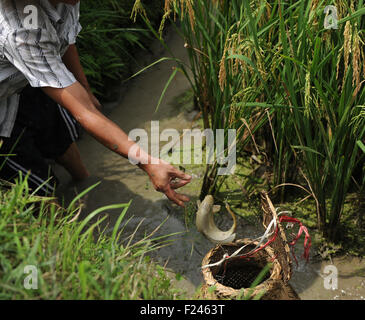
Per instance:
{"type": "Point", "coordinates": [221, 291]}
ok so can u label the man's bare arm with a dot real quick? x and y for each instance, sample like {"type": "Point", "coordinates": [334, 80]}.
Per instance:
{"type": "Point", "coordinates": [77, 101]}
{"type": "Point", "coordinates": [71, 60]}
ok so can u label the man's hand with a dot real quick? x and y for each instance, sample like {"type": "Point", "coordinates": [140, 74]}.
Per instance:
{"type": "Point", "coordinates": [166, 179]}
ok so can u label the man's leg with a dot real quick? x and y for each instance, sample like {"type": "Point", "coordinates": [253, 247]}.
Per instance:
{"type": "Point", "coordinates": [43, 130]}
{"type": "Point", "coordinates": [71, 161]}
{"type": "Point", "coordinates": [57, 139]}
{"type": "Point", "coordinates": [26, 159]}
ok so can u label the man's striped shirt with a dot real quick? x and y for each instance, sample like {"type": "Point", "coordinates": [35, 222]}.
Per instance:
{"type": "Point", "coordinates": [31, 50]}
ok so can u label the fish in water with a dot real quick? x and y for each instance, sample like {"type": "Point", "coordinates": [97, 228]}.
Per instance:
{"type": "Point", "coordinates": [206, 225]}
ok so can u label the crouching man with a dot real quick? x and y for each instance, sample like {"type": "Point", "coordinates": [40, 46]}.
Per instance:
{"type": "Point", "coordinates": [44, 95]}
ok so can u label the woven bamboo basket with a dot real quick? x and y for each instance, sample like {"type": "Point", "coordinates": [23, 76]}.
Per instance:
{"type": "Point", "coordinates": [233, 278]}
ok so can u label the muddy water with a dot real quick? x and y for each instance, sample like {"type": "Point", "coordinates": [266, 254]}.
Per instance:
{"type": "Point", "coordinates": [121, 182]}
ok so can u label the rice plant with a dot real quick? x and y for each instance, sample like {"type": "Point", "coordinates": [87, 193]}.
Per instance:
{"type": "Point", "coordinates": [322, 76]}
{"type": "Point", "coordinates": [318, 77]}
{"type": "Point", "coordinates": [273, 68]}
{"type": "Point", "coordinates": [212, 34]}
{"type": "Point", "coordinates": [109, 40]}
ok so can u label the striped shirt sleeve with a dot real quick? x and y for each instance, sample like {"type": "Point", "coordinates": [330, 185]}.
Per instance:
{"type": "Point", "coordinates": [74, 17]}
{"type": "Point", "coordinates": [35, 53]}
{"type": "Point", "coordinates": [74, 33]}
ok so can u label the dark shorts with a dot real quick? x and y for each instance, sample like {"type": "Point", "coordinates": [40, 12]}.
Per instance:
{"type": "Point", "coordinates": [42, 130]}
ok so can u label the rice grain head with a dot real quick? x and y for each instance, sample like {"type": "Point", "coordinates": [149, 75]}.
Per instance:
{"type": "Point", "coordinates": [363, 58]}
{"type": "Point", "coordinates": [168, 5]}
{"type": "Point", "coordinates": [186, 6]}
{"type": "Point", "coordinates": [222, 77]}
{"type": "Point", "coordinates": [138, 9]}
{"type": "Point", "coordinates": [191, 13]}
{"type": "Point", "coordinates": [314, 5]}
{"type": "Point", "coordinates": [347, 48]}
{"type": "Point", "coordinates": [341, 8]}
{"type": "Point", "coordinates": [163, 21]}
{"type": "Point", "coordinates": [356, 58]}
{"type": "Point", "coordinates": [307, 96]}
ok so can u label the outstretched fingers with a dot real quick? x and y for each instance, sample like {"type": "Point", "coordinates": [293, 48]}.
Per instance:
{"type": "Point", "coordinates": [176, 184]}
{"type": "Point", "coordinates": [180, 175]}
{"type": "Point", "coordinates": [177, 198]}
{"type": "Point", "coordinates": [167, 179]}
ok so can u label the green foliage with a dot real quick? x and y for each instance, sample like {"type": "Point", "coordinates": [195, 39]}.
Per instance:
{"type": "Point", "coordinates": [210, 30]}
{"type": "Point", "coordinates": [272, 68]}
{"type": "Point", "coordinates": [74, 259]}
{"type": "Point", "coordinates": [322, 97]}
{"type": "Point", "coordinates": [109, 40]}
